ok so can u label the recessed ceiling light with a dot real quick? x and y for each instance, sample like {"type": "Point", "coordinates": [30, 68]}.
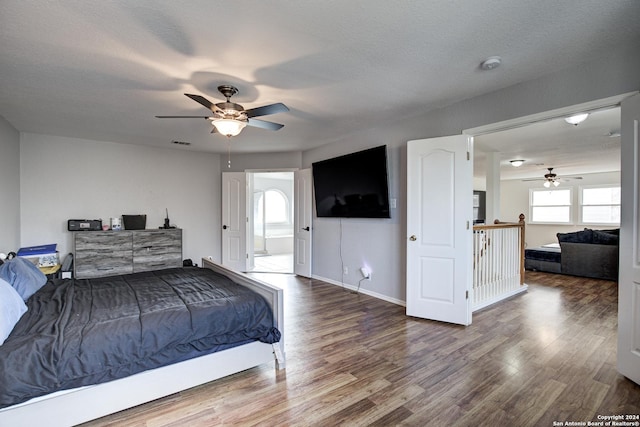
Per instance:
{"type": "Point", "coordinates": [576, 119]}
{"type": "Point", "coordinates": [516, 163]}
{"type": "Point", "coordinates": [491, 63]}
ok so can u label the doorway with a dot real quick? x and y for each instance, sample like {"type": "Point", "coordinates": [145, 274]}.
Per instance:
{"type": "Point", "coordinates": [272, 218]}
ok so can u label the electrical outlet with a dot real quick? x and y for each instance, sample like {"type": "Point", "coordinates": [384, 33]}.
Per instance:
{"type": "Point", "coordinates": [345, 270]}
{"type": "Point", "coordinates": [366, 273]}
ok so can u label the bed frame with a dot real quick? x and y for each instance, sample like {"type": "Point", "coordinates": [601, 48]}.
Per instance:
{"type": "Point", "coordinates": [70, 407]}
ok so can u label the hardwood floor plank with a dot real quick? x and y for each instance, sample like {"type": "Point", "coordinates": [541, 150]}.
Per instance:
{"type": "Point", "coordinates": [546, 355]}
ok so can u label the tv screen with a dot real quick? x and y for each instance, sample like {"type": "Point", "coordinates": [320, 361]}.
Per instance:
{"type": "Point", "coordinates": [353, 186]}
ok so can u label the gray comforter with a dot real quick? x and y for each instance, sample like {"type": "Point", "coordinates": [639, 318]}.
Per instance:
{"type": "Point", "coordinates": [82, 332]}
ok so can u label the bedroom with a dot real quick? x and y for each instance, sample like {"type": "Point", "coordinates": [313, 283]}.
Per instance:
{"type": "Point", "coordinates": [49, 177]}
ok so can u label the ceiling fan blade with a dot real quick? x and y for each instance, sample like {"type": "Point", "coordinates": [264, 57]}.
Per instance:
{"type": "Point", "coordinates": [184, 117]}
{"type": "Point", "coordinates": [202, 101]}
{"type": "Point", "coordinates": [569, 178]}
{"type": "Point", "coordinates": [266, 110]}
{"type": "Point", "coordinates": [264, 124]}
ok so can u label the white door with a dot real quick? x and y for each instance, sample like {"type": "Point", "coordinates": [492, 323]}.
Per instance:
{"type": "Point", "coordinates": [234, 220]}
{"type": "Point", "coordinates": [629, 275]}
{"type": "Point", "coordinates": [302, 223]}
{"type": "Point", "coordinates": [439, 228]}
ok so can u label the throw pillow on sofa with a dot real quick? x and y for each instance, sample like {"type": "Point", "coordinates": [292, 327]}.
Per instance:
{"type": "Point", "coordinates": [604, 238]}
{"type": "Point", "coordinates": [584, 236]}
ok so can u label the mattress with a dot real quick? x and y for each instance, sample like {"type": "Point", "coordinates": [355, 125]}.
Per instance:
{"type": "Point", "coordinates": [83, 332]}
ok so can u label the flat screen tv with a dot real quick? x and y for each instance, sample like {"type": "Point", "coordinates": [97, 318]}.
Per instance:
{"type": "Point", "coordinates": [353, 186]}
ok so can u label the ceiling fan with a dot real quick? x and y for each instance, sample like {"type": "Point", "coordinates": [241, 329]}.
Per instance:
{"type": "Point", "coordinates": [551, 178]}
{"type": "Point", "coordinates": [229, 118]}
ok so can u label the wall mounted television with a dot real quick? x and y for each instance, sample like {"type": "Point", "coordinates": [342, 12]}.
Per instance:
{"type": "Point", "coordinates": [353, 186]}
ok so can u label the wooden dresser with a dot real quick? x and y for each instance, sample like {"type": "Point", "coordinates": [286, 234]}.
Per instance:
{"type": "Point", "coordinates": [109, 253]}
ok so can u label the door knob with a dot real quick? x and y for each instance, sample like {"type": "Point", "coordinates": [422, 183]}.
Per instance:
{"type": "Point", "coordinates": [305, 228]}
{"type": "Point", "coordinates": [224, 227]}
{"type": "Point", "coordinates": [413, 238]}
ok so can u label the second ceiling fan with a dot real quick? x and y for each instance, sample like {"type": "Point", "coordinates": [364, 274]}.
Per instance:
{"type": "Point", "coordinates": [229, 118]}
{"type": "Point", "coordinates": [551, 179]}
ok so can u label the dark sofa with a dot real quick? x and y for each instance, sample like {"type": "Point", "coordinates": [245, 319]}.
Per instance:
{"type": "Point", "coordinates": [586, 253]}
{"type": "Point", "coordinates": [590, 253]}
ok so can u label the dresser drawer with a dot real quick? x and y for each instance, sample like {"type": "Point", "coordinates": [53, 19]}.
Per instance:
{"type": "Point", "coordinates": [142, 240]}
{"type": "Point", "coordinates": [117, 263]}
{"type": "Point", "coordinates": [102, 240]}
{"type": "Point", "coordinates": [157, 249]}
{"type": "Point", "coordinates": [102, 253]}
{"type": "Point", "coordinates": [157, 262]}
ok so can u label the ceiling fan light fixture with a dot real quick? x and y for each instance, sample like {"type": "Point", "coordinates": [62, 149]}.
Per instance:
{"type": "Point", "coordinates": [547, 184]}
{"type": "Point", "coordinates": [516, 163]}
{"type": "Point", "coordinates": [228, 127]}
{"type": "Point", "coordinates": [576, 119]}
{"type": "Point", "coordinates": [556, 183]}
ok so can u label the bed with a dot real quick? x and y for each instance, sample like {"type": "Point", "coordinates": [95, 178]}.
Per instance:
{"type": "Point", "coordinates": [147, 364]}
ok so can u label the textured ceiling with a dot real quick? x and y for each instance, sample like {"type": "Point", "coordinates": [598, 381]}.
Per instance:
{"type": "Point", "coordinates": [103, 69]}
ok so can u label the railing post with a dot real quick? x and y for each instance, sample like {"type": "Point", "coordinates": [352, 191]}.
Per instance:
{"type": "Point", "coordinates": [521, 223]}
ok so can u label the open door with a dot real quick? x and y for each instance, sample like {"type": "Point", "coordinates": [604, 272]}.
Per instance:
{"type": "Point", "coordinates": [234, 220]}
{"type": "Point", "coordinates": [302, 223]}
{"type": "Point", "coordinates": [629, 275]}
{"type": "Point", "coordinates": [439, 229]}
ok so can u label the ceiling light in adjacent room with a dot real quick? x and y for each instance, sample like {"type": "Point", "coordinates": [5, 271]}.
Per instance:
{"type": "Point", "coordinates": [576, 119]}
{"type": "Point", "coordinates": [228, 127]}
{"type": "Point", "coordinates": [516, 163]}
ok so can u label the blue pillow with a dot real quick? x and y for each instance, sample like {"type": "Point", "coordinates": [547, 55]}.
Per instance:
{"type": "Point", "coordinates": [23, 275]}
{"type": "Point", "coordinates": [11, 309]}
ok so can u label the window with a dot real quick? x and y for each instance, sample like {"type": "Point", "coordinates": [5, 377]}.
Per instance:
{"type": "Point", "coordinates": [273, 204]}
{"type": "Point", "coordinates": [600, 205]}
{"type": "Point", "coordinates": [550, 206]}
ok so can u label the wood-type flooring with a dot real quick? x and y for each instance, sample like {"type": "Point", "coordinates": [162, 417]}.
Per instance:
{"type": "Point", "coordinates": [546, 356]}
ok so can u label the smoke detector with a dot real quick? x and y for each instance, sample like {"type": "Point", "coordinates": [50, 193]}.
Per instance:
{"type": "Point", "coordinates": [491, 63]}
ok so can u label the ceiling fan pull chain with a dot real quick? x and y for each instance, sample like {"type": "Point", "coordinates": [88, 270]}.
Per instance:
{"type": "Point", "coordinates": [229, 152]}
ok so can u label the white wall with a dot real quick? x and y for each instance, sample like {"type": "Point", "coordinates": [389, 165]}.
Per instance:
{"type": "Point", "coordinates": [382, 242]}
{"type": "Point", "coordinates": [515, 200]}
{"type": "Point", "coordinates": [262, 161]}
{"type": "Point", "coordinates": [9, 187]}
{"type": "Point", "coordinates": [64, 178]}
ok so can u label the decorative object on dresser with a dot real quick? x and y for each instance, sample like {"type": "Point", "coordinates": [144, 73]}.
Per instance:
{"type": "Point", "coordinates": [134, 222]}
{"type": "Point", "coordinates": [84, 224]}
{"type": "Point", "coordinates": [107, 253]}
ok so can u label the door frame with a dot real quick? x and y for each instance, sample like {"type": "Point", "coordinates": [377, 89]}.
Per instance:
{"type": "Point", "coordinates": [604, 103]}
{"type": "Point", "coordinates": [249, 207]}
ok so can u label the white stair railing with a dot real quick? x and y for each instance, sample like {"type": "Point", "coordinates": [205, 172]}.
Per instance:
{"type": "Point", "coordinates": [498, 262]}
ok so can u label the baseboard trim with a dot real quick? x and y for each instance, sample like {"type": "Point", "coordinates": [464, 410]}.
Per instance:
{"type": "Point", "coordinates": [362, 290]}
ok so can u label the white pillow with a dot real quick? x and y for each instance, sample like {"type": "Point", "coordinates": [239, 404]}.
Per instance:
{"type": "Point", "coordinates": [12, 307]}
